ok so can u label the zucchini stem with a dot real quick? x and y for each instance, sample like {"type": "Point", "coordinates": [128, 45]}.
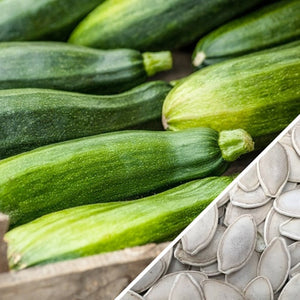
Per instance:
{"type": "Point", "coordinates": [234, 143]}
{"type": "Point", "coordinates": [155, 62]}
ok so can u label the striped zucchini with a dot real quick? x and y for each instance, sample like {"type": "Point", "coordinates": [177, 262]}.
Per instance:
{"type": "Point", "coordinates": [154, 25]}
{"type": "Point", "coordinates": [267, 27]}
{"type": "Point", "coordinates": [35, 117]}
{"type": "Point", "coordinates": [74, 68]}
{"type": "Point", "coordinates": [257, 92]}
{"type": "Point", "coordinates": [96, 228]}
{"type": "Point", "coordinates": [111, 167]}
{"type": "Point", "coordinates": [24, 20]}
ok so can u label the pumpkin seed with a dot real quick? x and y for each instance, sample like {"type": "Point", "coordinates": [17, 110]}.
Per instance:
{"type": "Point", "coordinates": [131, 295]}
{"type": "Point", "coordinates": [260, 243]}
{"type": "Point", "coordinates": [288, 204]}
{"type": "Point", "coordinates": [289, 186]}
{"type": "Point", "coordinates": [286, 139]}
{"type": "Point", "coordinates": [176, 266]}
{"type": "Point", "coordinates": [244, 275]}
{"type": "Point", "coordinates": [249, 181]}
{"type": "Point", "coordinates": [185, 287]}
{"type": "Point", "coordinates": [206, 256]}
{"type": "Point", "coordinates": [150, 277]}
{"type": "Point", "coordinates": [255, 198]}
{"type": "Point", "coordinates": [275, 263]}
{"type": "Point", "coordinates": [218, 290]}
{"type": "Point", "coordinates": [161, 289]}
{"type": "Point", "coordinates": [272, 223]}
{"type": "Point", "coordinates": [273, 170]}
{"type": "Point", "coordinates": [295, 253]}
{"type": "Point", "coordinates": [237, 244]}
{"type": "Point", "coordinates": [296, 139]}
{"type": "Point", "coordinates": [294, 271]}
{"type": "Point", "coordinates": [294, 161]}
{"type": "Point", "coordinates": [292, 289]}
{"type": "Point", "coordinates": [259, 213]}
{"type": "Point", "coordinates": [223, 200]}
{"type": "Point", "coordinates": [291, 229]}
{"type": "Point", "coordinates": [221, 211]}
{"type": "Point", "coordinates": [202, 232]}
{"type": "Point", "coordinates": [259, 288]}
{"type": "Point", "coordinates": [211, 270]}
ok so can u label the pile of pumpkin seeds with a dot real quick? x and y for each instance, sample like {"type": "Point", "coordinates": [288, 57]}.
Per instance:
{"type": "Point", "coordinates": [245, 246]}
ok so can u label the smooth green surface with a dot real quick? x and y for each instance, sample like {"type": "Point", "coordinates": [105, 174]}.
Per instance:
{"type": "Point", "coordinates": [154, 25]}
{"type": "Point", "coordinates": [68, 67]}
{"type": "Point", "coordinates": [24, 20]}
{"type": "Point", "coordinates": [31, 118]}
{"type": "Point", "coordinates": [98, 228]}
{"type": "Point", "coordinates": [108, 167]}
{"type": "Point", "coordinates": [258, 93]}
{"type": "Point", "coordinates": [272, 25]}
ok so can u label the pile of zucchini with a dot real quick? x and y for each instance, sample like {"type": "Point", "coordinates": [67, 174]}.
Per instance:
{"type": "Point", "coordinates": [85, 163]}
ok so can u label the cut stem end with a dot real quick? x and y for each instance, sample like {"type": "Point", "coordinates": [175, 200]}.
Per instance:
{"type": "Point", "coordinates": [155, 62]}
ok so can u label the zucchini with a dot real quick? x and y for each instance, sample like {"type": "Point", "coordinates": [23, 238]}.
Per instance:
{"type": "Point", "coordinates": [257, 92]}
{"type": "Point", "coordinates": [154, 25]}
{"type": "Point", "coordinates": [68, 67]}
{"type": "Point", "coordinates": [270, 26]}
{"type": "Point", "coordinates": [111, 167]}
{"type": "Point", "coordinates": [97, 228]}
{"type": "Point", "coordinates": [24, 20]}
{"type": "Point", "coordinates": [35, 117]}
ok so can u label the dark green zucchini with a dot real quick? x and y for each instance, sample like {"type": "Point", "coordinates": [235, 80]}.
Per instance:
{"type": "Point", "coordinates": [97, 228]}
{"type": "Point", "coordinates": [112, 167]}
{"type": "Point", "coordinates": [25, 20]}
{"type": "Point", "coordinates": [74, 68]}
{"type": "Point", "coordinates": [31, 118]}
{"type": "Point", "coordinates": [265, 28]}
{"type": "Point", "coordinates": [154, 25]}
{"type": "Point", "coordinates": [258, 92]}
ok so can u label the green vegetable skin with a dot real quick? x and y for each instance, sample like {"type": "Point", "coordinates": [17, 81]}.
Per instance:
{"type": "Point", "coordinates": [257, 92]}
{"type": "Point", "coordinates": [74, 68]}
{"type": "Point", "coordinates": [92, 229]}
{"type": "Point", "coordinates": [111, 167]}
{"type": "Point", "coordinates": [31, 118]}
{"type": "Point", "coordinates": [23, 20]}
{"type": "Point", "coordinates": [267, 27]}
{"type": "Point", "coordinates": [154, 25]}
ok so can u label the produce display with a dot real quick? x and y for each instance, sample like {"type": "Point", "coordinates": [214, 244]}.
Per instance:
{"type": "Point", "coordinates": [270, 26]}
{"type": "Point", "coordinates": [97, 156]}
{"type": "Point", "coordinates": [35, 117]}
{"type": "Point", "coordinates": [246, 245]}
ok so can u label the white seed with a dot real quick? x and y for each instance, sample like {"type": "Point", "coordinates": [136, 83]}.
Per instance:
{"type": "Point", "coordinates": [243, 276]}
{"type": "Point", "coordinates": [260, 228]}
{"type": "Point", "coordinates": [272, 223]}
{"type": "Point", "coordinates": [185, 287]}
{"type": "Point", "coordinates": [260, 243]}
{"type": "Point", "coordinates": [255, 198]}
{"type": "Point", "coordinates": [259, 289]}
{"type": "Point", "coordinates": [286, 140]}
{"type": "Point", "coordinates": [295, 253]}
{"type": "Point", "coordinates": [161, 289]}
{"type": "Point", "coordinates": [223, 200]}
{"type": "Point", "coordinates": [237, 244]}
{"type": "Point", "coordinates": [211, 270]}
{"type": "Point", "coordinates": [131, 295]}
{"type": "Point", "coordinates": [176, 266]}
{"type": "Point", "coordinates": [221, 211]}
{"type": "Point", "coordinates": [202, 232]}
{"type": "Point", "coordinates": [218, 290]}
{"type": "Point", "coordinates": [289, 186]}
{"type": "Point", "coordinates": [273, 170]}
{"type": "Point", "coordinates": [291, 229]}
{"type": "Point", "coordinates": [259, 213]}
{"type": "Point", "coordinates": [292, 289]}
{"type": "Point", "coordinates": [288, 204]}
{"type": "Point", "coordinates": [150, 277]}
{"type": "Point", "coordinates": [206, 256]}
{"type": "Point", "coordinates": [249, 181]}
{"type": "Point", "coordinates": [296, 138]}
{"type": "Point", "coordinates": [294, 271]}
{"type": "Point", "coordinates": [294, 161]}
{"type": "Point", "coordinates": [275, 263]}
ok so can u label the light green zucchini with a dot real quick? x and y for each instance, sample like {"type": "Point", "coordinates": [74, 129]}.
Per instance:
{"type": "Point", "coordinates": [154, 25]}
{"type": "Point", "coordinates": [258, 92]}
{"type": "Point", "coordinates": [270, 26]}
{"type": "Point", "coordinates": [31, 118]}
{"type": "Point", "coordinates": [68, 67]}
{"type": "Point", "coordinates": [112, 167]}
{"type": "Point", "coordinates": [97, 228]}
